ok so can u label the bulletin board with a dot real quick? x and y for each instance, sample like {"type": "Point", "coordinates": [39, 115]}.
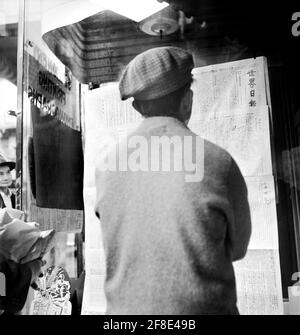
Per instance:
{"type": "Point", "coordinates": [231, 108]}
{"type": "Point", "coordinates": [52, 148]}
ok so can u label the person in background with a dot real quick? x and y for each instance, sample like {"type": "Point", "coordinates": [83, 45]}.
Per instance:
{"type": "Point", "coordinates": [169, 241]}
{"type": "Point", "coordinates": [18, 276]}
{"type": "Point", "coordinates": [7, 198]}
{"type": "Point", "coordinates": [15, 276]}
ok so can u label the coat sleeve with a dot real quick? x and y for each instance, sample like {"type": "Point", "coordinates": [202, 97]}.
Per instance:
{"type": "Point", "coordinates": [240, 229]}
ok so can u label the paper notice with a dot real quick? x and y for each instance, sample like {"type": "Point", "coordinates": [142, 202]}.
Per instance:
{"type": "Point", "coordinates": [244, 134]}
{"type": "Point", "coordinates": [259, 283]}
{"type": "Point", "coordinates": [220, 89]}
{"type": "Point", "coordinates": [94, 302]}
{"type": "Point", "coordinates": [261, 196]}
{"type": "Point", "coordinates": [61, 220]}
{"type": "Point", "coordinates": [116, 113]}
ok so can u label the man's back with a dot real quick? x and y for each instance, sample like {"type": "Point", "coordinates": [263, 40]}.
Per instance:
{"type": "Point", "coordinates": [170, 243]}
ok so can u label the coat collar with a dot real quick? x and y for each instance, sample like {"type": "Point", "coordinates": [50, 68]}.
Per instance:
{"type": "Point", "coordinates": [158, 121]}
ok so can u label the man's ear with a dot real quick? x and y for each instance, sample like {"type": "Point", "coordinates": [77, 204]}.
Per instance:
{"type": "Point", "coordinates": [186, 105]}
{"type": "Point", "coordinates": [189, 97]}
{"type": "Point", "coordinates": [135, 105]}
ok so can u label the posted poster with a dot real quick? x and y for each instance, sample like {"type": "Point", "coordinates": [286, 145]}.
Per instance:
{"type": "Point", "coordinates": [53, 151]}
{"type": "Point", "coordinates": [105, 117]}
{"type": "Point", "coordinates": [230, 109]}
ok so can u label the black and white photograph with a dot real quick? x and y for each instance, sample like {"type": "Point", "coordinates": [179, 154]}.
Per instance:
{"type": "Point", "coordinates": [149, 161]}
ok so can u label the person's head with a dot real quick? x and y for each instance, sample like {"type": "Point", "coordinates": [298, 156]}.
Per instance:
{"type": "Point", "coordinates": [5, 172]}
{"type": "Point", "coordinates": [159, 80]}
{"type": "Point", "coordinates": [5, 176]}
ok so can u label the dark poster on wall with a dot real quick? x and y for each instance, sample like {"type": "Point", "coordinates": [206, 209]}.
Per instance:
{"type": "Point", "coordinates": [55, 155]}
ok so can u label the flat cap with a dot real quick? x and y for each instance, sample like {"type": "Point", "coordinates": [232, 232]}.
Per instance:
{"type": "Point", "coordinates": [6, 162]}
{"type": "Point", "coordinates": [156, 73]}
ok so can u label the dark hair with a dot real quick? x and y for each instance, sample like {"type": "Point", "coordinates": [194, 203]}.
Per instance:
{"type": "Point", "coordinates": [167, 105]}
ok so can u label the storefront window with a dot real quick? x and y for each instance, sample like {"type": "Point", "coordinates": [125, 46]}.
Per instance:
{"type": "Point", "coordinates": [8, 111]}
{"type": "Point", "coordinates": [52, 160]}
{"type": "Point", "coordinates": [62, 110]}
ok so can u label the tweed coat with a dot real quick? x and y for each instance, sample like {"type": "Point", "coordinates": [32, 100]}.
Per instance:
{"type": "Point", "coordinates": [169, 244]}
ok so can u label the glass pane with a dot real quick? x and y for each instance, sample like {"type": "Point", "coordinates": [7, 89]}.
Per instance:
{"type": "Point", "coordinates": [52, 163]}
{"type": "Point", "coordinates": [8, 89]}
{"type": "Point", "coordinates": [8, 109]}
{"type": "Point", "coordinates": [245, 100]}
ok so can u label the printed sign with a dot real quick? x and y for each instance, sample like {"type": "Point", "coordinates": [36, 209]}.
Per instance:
{"type": "Point", "coordinates": [53, 293]}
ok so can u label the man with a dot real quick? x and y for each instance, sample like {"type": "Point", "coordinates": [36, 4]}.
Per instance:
{"type": "Point", "coordinates": [170, 241]}
{"type": "Point", "coordinates": [7, 198]}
